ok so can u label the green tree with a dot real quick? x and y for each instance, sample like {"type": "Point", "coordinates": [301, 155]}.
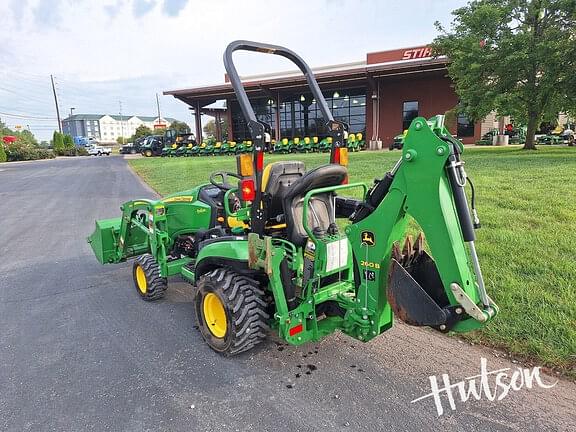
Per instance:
{"type": "Point", "coordinates": [141, 131]}
{"type": "Point", "coordinates": [513, 56]}
{"type": "Point", "coordinates": [210, 128]}
{"type": "Point", "coordinates": [68, 142]}
{"type": "Point", "coordinates": [26, 138]}
{"type": "Point", "coordinates": [180, 127]}
{"type": "Point", "coordinates": [58, 143]}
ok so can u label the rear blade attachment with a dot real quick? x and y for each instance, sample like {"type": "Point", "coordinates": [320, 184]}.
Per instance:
{"type": "Point", "coordinates": [415, 290]}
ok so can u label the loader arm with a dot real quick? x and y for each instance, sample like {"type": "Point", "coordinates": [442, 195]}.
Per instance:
{"type": "Point", "coordinates": [446, 293]}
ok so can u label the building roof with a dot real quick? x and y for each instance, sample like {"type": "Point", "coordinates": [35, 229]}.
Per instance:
{"type": "Point", "coordinates": [116, 117]}
{"type": "Point", "coordinates": [85, 117]}
{"type": "Point", "coordinates": [151, 119]}
{"type": "Point", "coordinates": [391, 63]}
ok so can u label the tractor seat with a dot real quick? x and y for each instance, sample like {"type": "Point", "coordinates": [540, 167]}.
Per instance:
{"type": "Point", "coordinates": [321, 211]}
{"type": "Point", "coordinates": [277, 179]}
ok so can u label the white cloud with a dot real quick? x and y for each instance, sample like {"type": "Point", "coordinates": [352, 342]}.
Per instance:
{"type": "Point", "coordinates": [92, 46]}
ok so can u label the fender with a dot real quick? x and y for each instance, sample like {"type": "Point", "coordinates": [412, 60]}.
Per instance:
{"type": "Point", "coordinates": [225, 251]}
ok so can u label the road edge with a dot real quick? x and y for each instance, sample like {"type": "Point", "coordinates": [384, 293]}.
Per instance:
{"type": "Point", "coordinates": [141, 180]}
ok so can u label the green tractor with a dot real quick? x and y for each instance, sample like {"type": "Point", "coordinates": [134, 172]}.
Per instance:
{"type": "Point", "coordinates": [267, 247]}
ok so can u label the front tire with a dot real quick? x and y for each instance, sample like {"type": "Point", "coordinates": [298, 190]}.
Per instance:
{"type": "Point", "coordinates": [147, 280]}
{"type": "Point", "coordinates": [230, 311]}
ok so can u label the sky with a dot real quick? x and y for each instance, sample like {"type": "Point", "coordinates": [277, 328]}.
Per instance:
{"type": "Point", "coordinates": [103, 53]}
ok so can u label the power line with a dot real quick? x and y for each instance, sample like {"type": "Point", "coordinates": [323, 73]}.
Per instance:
{"type": "Point", "coordinates": [26, 116]}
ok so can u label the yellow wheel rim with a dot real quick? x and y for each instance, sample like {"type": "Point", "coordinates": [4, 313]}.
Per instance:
{"type": "Point", "coordinates": [214, 315]}
{"type": "Point", "coordinates": [141, 280]}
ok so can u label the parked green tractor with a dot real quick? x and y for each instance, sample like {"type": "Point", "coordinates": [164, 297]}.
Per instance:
{"type": "Point", "coordinates": [267, 247]}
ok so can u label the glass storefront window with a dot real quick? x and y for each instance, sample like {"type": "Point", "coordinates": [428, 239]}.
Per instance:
{"type": "Point", "coordinates": [300, 115]}
{"type": "Point", "coordinates": [409, 113]}
{"type": "Point", "coordinates": [465, 126]}
{"type": "Point", "coordinates": [265, 110]}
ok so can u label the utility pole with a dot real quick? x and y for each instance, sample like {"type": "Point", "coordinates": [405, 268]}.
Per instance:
{"type": "Point", "coordinates": [56, 103]}
{"type": "Point", "coordinates": [158, 106]}
{"type": "Point", "coordinates": [121, 122]}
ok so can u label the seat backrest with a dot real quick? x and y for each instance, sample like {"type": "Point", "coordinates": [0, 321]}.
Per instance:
{"type": "Point", "coordinates": [277, 179]}
{"type": "Point", "coordinates": [320, 213]}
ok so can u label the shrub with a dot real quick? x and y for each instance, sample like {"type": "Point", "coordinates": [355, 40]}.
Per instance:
{"type": "Point", "coordinates": [21, 152]}
{"type": "Point", "coordinates": [81, 151]}
{"type": "Point", "coordinates": [74, 151]}
{"type": "Point", "coordinates": [68, 142]}
{"type": "Point", "coordinates": [3, 156]}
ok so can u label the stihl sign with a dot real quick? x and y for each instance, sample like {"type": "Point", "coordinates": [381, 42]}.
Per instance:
{"type": "Point", "coordinates": [412, 53]}
{"type": "Point", "coordinates": [417, 53]}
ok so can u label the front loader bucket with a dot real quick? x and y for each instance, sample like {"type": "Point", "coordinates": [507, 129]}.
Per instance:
{"type": "Point", "coordinates": [103, 240]}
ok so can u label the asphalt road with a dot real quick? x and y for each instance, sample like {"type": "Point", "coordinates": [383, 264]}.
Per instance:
{"type": "Point", "coordinates": [80, 351]}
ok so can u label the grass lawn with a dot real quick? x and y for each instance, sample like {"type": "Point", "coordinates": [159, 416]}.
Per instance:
{"type": "Point", "coordinates": [527, 244]}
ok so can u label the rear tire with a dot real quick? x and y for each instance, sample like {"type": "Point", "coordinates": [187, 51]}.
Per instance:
{"type": "Point", "coordinates": [147, 280]}
{"type": "Point", "coordinates": [230, 311]}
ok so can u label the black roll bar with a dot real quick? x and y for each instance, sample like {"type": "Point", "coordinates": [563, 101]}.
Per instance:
{"type": "Point", "coordinates": [258, 129]}
{"type": "Point", "coordinates": [243, 45]}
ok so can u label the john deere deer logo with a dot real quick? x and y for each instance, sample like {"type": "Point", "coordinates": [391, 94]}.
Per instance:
{"type": "Point", "coordinates": [368, 238]}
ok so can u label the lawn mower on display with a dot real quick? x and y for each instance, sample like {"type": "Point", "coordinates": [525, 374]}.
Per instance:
{"type": "Point", "coordinates": [305, 145]}
{"type": "Point", "coordinates": [355, 142]}
{"type": "Point", "coordinates": [170, 151]}
{"type": "Point", "coordinates": [282, 146]}
{"type": "Point", "coordinates": [325, 145]}
{"type": "Point", "coordinates": [207, 147]}
{"type": "Point", "coordinates": [217, 149]}
{"type": "Point", "coordinates": [184, 150]}
{"type": "Point", "coordinates": [244, 147]}
{"type": "Point", "coordinates": [231, 150]}
{"type": "Point", "coordinates": [278, 247]}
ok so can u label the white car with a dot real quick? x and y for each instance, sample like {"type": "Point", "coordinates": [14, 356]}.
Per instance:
{"type": "Point", "coordinates": [95, 150]}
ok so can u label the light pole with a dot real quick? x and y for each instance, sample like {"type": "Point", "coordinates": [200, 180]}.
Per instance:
{"type": "Point", "coordinates": [72, 111]}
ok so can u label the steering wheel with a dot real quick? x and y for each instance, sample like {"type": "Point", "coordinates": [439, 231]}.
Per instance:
{"type": "Point", "coordinates": [223, 185]}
